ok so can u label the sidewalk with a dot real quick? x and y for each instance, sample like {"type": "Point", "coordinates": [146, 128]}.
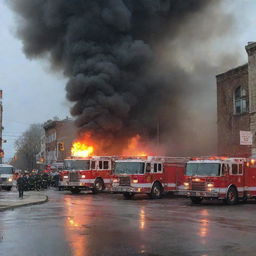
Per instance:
{"type": "Point", "coordinates": [10, 200]}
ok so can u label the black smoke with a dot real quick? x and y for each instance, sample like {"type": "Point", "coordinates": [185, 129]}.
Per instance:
{"type": "Point", "coordinates": [110, 51]}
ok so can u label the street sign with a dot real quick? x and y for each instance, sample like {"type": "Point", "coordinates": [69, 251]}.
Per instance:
{"type": "Point", "coordinates": [245, 138]}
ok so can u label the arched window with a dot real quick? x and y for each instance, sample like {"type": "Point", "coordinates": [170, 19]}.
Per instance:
{"type": "Point", "coordinates": [240, 101]}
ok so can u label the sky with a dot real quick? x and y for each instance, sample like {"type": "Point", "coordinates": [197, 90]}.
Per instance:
{"type": "Point", "coordinates": [34, 94]}
{"type": "Point", "coordinates": [31, 92]}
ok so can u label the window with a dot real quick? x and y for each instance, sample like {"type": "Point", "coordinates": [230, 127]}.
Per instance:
{"type": "Point", "coordinates": [234, 169]}
{"type": "Point", "coordinates": [203, 169]}
{"type": "Point", "coordinates": [159, 167]}
{"type": "Point", "coordinates": [240, 101]}
{"type": "Point", "coordinates": [240, 169]}
{"type": "Point", "coordinates": [129, 167]}
{"type": "Point", "coordinates": [100, 165]}
{"type": "Point", "coordinates": [155, 167]}
{"type": "Point", "coordinates": [93, 165]}
{"type": "Point", "coordinates": [105, 165]}
{"type": "Point", "coordinates": [224, 169]}
{"type": "Point", "coordinates": [148, 167]}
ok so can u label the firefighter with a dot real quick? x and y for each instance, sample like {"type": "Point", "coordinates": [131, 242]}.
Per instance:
{"type": "Point", "coordinates": [26, 186]}
{"type": "Point", "coordinates": [20, 184]}
{"type": "Point", "coordinates": [38, 182]}
{"type": "Point", "coordinates": [45, 180]}
{"type": "Point", "coordinates": [31, 182]}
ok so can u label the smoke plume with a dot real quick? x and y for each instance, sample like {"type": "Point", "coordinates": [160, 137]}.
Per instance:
{"type": "Point", "coordinates": [128, 73]}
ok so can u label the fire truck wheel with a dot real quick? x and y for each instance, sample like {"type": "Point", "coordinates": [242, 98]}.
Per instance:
{"type": "Point", "coordinates": [98, 186]}
{"type": "Point", "coordinates": [128, 195]}
{"type": "Point", "coordinates": [156, 191]}
{"type": "Point", "coordinates": [232, 196]}
{"type": "Point", "coordinates": [196, 200]}
{"type": "Point", "coordinates": [75, 190]}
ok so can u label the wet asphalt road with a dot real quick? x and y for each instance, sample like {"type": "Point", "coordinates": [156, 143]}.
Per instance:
{"type": "Point", "coordinates": [108, 225]}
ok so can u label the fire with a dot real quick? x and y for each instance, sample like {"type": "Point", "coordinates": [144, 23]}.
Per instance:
{"type": "Point", "coordinates": [87, 146]}
{"type": "Point", "coordinates": [81, 148]}
{"type": "Point", "coordinates": [135, 147]}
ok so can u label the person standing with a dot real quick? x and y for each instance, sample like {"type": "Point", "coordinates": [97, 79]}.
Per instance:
{"type": "Point", "coordinates": [20, 184]}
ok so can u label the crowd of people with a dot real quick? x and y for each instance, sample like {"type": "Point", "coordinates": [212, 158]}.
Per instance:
{"type": "Point", "coordinates": [36, 181]}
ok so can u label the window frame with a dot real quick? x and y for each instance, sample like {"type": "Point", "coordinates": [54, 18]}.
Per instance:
{"type": "Point", "coordinates": [106, 167]}
{"type": "Point", "coordinates": [241, 99]}
{"type": "Point", "coordinates": [93, 167]}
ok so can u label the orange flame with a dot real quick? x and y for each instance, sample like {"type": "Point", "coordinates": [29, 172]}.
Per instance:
{"type": "Point", "coordinates": [135, 147]}
{"type": "Point", "coordinates": [86, 146]}
{"type": "Point", "coordinates": [80, 149]}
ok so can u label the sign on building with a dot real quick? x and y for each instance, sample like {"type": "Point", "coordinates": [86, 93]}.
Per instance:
{"type": "Point", "coordinates": [245, 138]}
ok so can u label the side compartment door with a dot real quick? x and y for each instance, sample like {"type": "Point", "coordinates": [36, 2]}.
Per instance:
{"type": "Point", "coordinates": [180, 177]}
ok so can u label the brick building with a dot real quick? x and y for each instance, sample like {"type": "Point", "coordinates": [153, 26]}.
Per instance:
{"type": "Point", "coordinates": [56, 133]}
{"type": "Point", "coordinates": [236, 106]}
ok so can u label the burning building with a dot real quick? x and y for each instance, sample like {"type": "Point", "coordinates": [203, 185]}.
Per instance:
{"type": "Point", "coordinates": [236, 105]}
{"type": "Point", "coordinates": [59, 137]}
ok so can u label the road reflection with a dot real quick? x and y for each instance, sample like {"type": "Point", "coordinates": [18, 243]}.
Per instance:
{"type": "Point", "coordinates": [204, 225]}
{"type": "Point", "coordinates": [75, 222]}
{"type": "Point", "coordinates": [142, 218]}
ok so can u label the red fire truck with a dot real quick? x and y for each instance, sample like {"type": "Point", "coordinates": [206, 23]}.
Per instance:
{"type": "Point", "coordinates": [148, 175]}
{"type": "Point", "coordinates": [63, 175]}
{"type": "Point", "coordinates": [91, 173]}
{"type": "Point", "coordinates": [228, 179]}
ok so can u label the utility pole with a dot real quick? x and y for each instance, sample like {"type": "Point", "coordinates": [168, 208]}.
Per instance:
{"type": "Point", "coordinates": [1, 128]}
{"type": "Point", "coordinates": [158, 135]}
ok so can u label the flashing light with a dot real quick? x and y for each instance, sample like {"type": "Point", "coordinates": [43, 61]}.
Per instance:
{"type": "Point", "coordinates": [196, 180]}
{"type": "Point", "coordinates": [10, 179]}
{"type": "Point", "coordinates": [252, 161]}
{"type": "Point", "coordinates": [210, 185]}
{"type": "Point", "coordinates": [135, 181]}
{"type": "Point", "coordinates": [186, 184]}
{"type": "Point", "coordinates": [83, 176]}
{"type": "Point", "coordinates": [65, 177]}
{"type": "Point", "coordinates": [115, 180]}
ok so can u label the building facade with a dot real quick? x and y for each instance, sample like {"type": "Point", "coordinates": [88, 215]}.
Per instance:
{"type": "Point", "coordinates": [59, 136]}
{"type": "Point", "coordinates": [236, 107]}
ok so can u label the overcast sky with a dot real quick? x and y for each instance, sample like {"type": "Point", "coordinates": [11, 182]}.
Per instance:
{"type": "Point", "coordinates": [32, 94]}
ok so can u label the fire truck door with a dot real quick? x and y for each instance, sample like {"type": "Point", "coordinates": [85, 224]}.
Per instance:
{"type": "Point", "coordinates": [225, 169]}
{"type": "Point", "coordinates": [179, 178]}
{"type": "Point", "coordinates": [148, 176]}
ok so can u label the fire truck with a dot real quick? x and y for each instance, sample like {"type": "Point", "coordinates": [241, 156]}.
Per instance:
{"type": "Point", "coordinates": [152, 175]}
{"type": "Point", "coordinates": [63, 181]}
{"type": "Point", "coordinates": [227, 179]}
{"type": "Point", "coordinates": [89, 173]}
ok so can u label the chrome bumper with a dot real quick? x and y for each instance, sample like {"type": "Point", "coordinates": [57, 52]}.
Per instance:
{"type": "Point", "coordinates": [6, 184]}
{"type": "Point", "coordinates": [74, 184]}
{"type": "Point", "coordinates": [122, 189]}
{"type": "Point", "coordinates": [190, 193]}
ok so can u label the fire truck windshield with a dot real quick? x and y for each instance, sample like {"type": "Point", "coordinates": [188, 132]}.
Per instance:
{"type": "Point", "coordinates": [77, 164]}
{"type": "Point", "coordinates": [6, 170]}
{"type": "Point", "coordinates": [129, 167]}
{"type": "Point", "coordinates": [203, 169]}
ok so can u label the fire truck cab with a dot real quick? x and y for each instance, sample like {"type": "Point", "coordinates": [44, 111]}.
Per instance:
{"type": "Point", "coordinates": [228, 179]}
{"type": "Point", "coordinates": [90, 173]}
{"type": "Point", "coordinates": [148, 175]}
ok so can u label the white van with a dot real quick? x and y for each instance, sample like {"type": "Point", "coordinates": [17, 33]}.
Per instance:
{"type": "Point", "coordinates": [6, 176]}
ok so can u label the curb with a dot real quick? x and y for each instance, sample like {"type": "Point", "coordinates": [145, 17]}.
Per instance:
{"type": "Point", "coordinates": [25, 204]}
